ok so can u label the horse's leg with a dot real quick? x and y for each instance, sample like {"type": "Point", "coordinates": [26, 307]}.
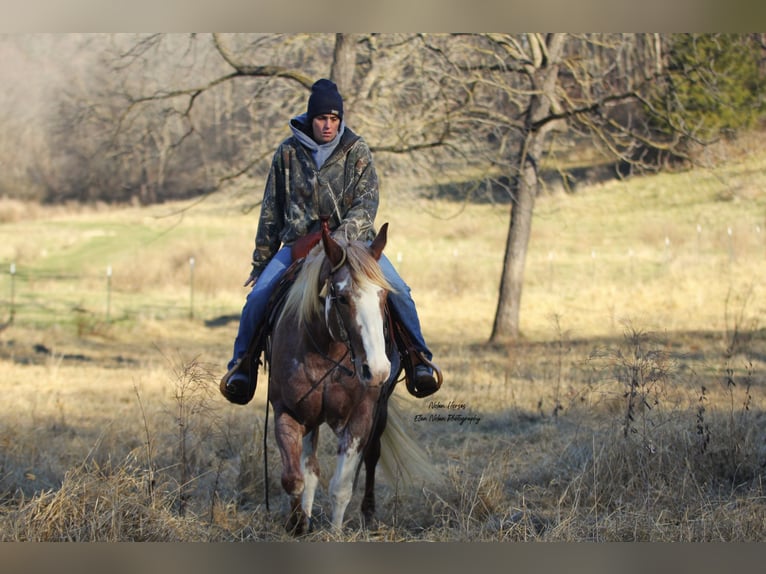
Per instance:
{"type": "Point", "coordinates": [371, 457]}
{"type": "Point", "coordinates": [289, 437]}
{"type": "Point", "coordinates": [310, 469]}
{"type": "Point", "coordinates": [352, 441]}
{"type": "Point", "coordinates": [342, 482]}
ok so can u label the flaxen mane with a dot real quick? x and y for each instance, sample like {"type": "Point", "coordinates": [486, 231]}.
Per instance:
{"type": "Point", "coordinates": [303, 299]}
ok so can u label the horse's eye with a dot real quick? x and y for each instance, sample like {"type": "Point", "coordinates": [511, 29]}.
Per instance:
{"type": "Point", "coordinates": [342, 299]}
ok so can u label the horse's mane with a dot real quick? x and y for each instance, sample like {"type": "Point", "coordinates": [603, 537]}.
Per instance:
{"type": "Point", "coordinates": [303, 299]}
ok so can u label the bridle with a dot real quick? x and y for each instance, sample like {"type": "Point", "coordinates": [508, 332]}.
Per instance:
{"type": "Point", "coordinates": [328, 293]}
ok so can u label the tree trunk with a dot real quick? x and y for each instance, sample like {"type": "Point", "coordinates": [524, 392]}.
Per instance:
{"type": "Point", "coordinates": [343, 65]}
{"type": "Point", "coordinates": [512, 279]}
{"type": "Point", "coordinates": [543, 74]}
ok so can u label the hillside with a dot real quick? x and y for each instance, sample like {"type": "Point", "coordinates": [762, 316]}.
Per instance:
{"type": "Point", "coordinates": [631, 409]}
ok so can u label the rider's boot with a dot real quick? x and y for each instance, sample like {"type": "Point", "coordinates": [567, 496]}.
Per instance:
{"type": "Point", "coordinates": [238, 384]}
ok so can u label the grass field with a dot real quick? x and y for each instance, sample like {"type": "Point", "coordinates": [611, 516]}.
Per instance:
{"type": "Point", "coordinates": [631, 409]}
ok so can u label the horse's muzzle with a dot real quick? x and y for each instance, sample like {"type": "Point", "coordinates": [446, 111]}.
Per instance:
{"type": "Point", "coordinates": [373, 377]}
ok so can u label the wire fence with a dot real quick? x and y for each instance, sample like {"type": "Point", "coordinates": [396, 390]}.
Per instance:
{"type": "Point", "coordinates": [42, 298]}
{"type": "Point", "coordinates": [689, 246]}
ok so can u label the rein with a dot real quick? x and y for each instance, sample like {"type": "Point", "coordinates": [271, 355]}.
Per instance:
{"type": "Point", "coordinates": [344, 335]}
{"type": "Point", "coordinates": [336, 365]}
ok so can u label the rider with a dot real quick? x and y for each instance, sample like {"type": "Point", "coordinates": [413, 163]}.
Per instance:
{"type": "Point", "coordinates": [323, 170]}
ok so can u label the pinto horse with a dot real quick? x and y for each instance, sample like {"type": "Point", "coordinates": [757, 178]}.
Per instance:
{"type": "Point", "coordinates": [330, 362]}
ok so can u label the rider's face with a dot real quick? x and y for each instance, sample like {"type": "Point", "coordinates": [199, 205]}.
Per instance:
{"type": "Point", "coordinates": [325, 127]}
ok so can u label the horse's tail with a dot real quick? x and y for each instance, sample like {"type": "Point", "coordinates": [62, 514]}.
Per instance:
{"type": "Point", "coordinates": [401, 458]}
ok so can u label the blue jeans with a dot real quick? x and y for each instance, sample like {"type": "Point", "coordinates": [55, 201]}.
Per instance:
{"type": "Point", "coordinates": [258, 298]}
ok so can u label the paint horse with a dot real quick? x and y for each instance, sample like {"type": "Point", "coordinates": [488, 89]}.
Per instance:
{"type": "Point", "coordinates": [329, 363]}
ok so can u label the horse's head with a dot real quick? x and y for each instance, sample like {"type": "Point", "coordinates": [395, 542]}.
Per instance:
{"type": "Point", "coordinates": [354, 295]}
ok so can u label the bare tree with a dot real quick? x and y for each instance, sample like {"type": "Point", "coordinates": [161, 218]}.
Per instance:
{"type": "Point", "coordinates": [436, 107]}
{"type": "Point", "coordinates": [531, 90]}
{"type": "Point", "coordinates": [540, 63]}
{"type": "Point", "coordinates": [395, 87]}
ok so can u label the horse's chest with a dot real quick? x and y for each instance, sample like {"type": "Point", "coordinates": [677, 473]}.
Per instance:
{"type": "Point", "coordinates": [332, 401]}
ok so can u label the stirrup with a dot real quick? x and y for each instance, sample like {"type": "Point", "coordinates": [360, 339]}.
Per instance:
{"type": "Point", "coordinates": [413, 386]}
{"type": "Point", "coordinates": [239, 392]}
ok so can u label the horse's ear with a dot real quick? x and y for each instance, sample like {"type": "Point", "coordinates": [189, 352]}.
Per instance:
{"type": "Point", "coordinates": [333, 251]}
{"type": "Point", "coordinates": [377, 245]}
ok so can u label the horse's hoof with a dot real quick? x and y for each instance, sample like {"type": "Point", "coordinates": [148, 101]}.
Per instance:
{"type": "Point", "coordinates": [368, 523]}
{"type": "Point", "coordinates": [296, 525]}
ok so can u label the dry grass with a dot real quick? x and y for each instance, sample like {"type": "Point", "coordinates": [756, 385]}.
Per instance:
{"type": "Point", "coordinates": [632, 408]}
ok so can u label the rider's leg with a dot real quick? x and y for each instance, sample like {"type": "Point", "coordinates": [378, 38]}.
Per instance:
{"type": "Point", "coordinates": [402, 302]}
{"type": "Point", "coordinates": [257, 299]}
{"type": "Point", "coordinates": [426, 381]}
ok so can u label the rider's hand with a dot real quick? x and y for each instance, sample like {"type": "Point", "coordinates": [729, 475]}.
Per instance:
{"type": "Point", "coordinates": [251, 280]}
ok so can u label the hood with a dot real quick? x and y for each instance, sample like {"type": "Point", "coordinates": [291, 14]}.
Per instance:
{"type": "Point", "coordinates": [300, 127]}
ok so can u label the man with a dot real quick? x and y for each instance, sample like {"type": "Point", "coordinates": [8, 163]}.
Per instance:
{"type": "Point", "coordinates": [323, 170]}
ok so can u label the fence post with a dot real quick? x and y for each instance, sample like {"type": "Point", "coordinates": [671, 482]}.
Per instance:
{"type": "Point", "coordinates": [13, 293]}
{"type": "Point", "coordinates": [191, 287]}
{"type": "Point", "coordinates": [108, 292]}
{"type": "Point", "coordinates": [550, 269]}
{"type": "Point", "coordinates": [731, 245]}
{"type": "Point", "coordinates": [667, 250]}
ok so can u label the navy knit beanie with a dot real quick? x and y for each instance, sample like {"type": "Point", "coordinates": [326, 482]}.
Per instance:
{"type": "Point", "coordinates": [325, 99]}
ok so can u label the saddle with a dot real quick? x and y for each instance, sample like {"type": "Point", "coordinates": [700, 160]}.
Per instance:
{"type": "Point", "coordinates": [397, 336]}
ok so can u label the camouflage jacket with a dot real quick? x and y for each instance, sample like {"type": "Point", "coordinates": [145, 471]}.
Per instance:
{"type": "Point", "coordinates": [345, 188]}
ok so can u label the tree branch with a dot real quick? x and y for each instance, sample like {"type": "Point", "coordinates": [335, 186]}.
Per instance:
{"type": "Point", "coordinates": [244, 69]}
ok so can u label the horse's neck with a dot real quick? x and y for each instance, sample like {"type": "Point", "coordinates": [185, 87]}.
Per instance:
{"type": "Point", "coordinates": [314, 335]}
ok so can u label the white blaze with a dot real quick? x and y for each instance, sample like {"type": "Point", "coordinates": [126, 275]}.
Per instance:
{"type": "Point", "coordinates": [370, 322]}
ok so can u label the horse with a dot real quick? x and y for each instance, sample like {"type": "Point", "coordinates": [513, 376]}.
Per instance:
{"type": "Point", "coordinates": [331, 361]}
